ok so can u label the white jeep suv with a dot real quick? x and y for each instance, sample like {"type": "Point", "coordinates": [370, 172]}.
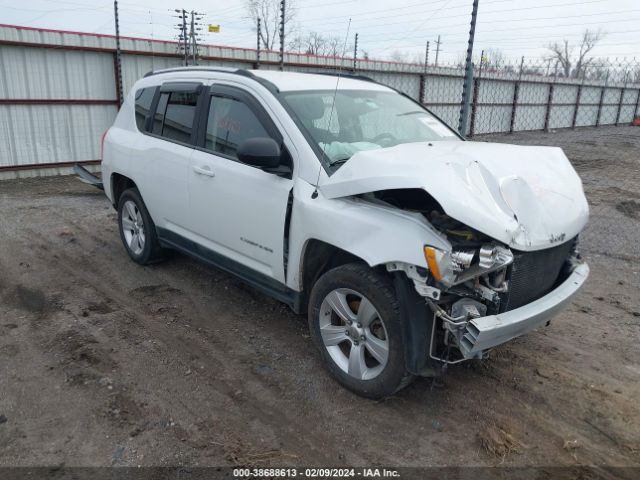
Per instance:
{"type": "Point", "coordinates": [408, 247]}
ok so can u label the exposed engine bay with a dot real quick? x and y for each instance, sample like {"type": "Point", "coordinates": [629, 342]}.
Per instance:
{"type": "Point", "coordinates": [479, 277]}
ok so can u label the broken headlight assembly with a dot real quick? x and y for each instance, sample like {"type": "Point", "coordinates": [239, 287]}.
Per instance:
{"type": "Point", "coordinates": [459, 265]}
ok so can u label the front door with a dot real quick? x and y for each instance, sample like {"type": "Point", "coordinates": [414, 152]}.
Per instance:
{"type": "Point", "coordinates": [238, 210]}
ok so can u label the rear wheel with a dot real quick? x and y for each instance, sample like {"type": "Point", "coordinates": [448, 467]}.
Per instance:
{"type": "Point", "coordinates": [137, 230]}
{"type": "Point", "coordinates": [355, 321]}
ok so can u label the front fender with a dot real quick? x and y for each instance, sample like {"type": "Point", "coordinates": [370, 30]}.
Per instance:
{"type": "Point", "coordinates": [375, 233]}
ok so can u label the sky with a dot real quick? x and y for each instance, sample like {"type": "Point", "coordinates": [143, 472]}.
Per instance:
{"type": "Point", "coordinates": [516, 27]}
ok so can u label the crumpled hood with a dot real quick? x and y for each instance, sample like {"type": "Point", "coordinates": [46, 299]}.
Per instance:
{"type": "Point", "coordinates": [527, 197]}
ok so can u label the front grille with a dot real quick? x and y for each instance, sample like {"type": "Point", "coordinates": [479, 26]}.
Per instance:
{"type": "Point", "coordinates": [533, 274]}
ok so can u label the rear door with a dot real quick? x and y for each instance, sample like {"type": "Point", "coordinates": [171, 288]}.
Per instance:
{"type": "Point", "coordinates": [164, 152]}
{"type": "Point", "coordinates": [238, 210]}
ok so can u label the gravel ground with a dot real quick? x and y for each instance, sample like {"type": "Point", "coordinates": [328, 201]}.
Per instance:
{"type": "Point", "coordinates": [104, 362]}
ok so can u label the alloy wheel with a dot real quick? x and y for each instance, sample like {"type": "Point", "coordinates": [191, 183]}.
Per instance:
{"type": "Point", "coordinates": [354, 334]}
{"type": "Point", "coordinates": [133, 227]}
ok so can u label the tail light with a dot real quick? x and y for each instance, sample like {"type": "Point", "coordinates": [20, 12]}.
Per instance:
{"type": "Point", "coordinates": [102, 143]}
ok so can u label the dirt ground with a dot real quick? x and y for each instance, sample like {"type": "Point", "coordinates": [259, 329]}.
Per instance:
{"type": "Point", "coordinates": [104, 362]}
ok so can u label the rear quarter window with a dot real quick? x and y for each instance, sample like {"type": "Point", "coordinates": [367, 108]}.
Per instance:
{"type": "Point", "coordinates": [144, 98]}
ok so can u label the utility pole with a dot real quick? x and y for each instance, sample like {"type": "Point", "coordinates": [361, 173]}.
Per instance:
{"type": "Point", "coordinates": [355, 54]}
{"type": "Point", "coordinates": [516, 95]}
{"type": "Point", "coordinates": [257, 43]}
{"type": "Point", "coordinates": [193, 35]}
{"type": "Point", "coordinates": [468, 78]}
{"type": "Point", "coordinates": [426, 58]}
{"type": "Point", "coordinates": [423, 77]}
{"type": "Point", "coordinates": [474, 101]}
{"type": "Point", "coordinates": [118, 59]}
{"type": "Point", "coordinates": [438, 42]}
{"type": "Point", "coordinates": [192, 39]}
{"type": "Point", "coordinates": [282, 10]}
{"type": "Point", "coordinates": [183, 37]}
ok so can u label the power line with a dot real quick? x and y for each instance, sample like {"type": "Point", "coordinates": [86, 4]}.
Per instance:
{"type": "Point", "coordinates": [442, 27]}
{"type": "Point", "coordinates": [45, 11]}
{"type": "Point", "coordinates": [364, 27]}
{"type": "Point", "coordinates": [583, 2]}
{"type": "Point", "coordinates": [394, 9]}
{"type": "Point", "coordinates": [520, 38]}
{"type": "Point", "coordinates": [324, 4]}
{"type": "Point", "coordinates": [519, 47]}
{"type": "Point", "coordinates": [423, 23]}
{"type": "Point", "coordinates": [439, 11]}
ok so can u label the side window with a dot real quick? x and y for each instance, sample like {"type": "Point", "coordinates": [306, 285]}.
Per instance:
{"type": "Point", "coordinates": [144, 97]}
{"type": "Point", "coordinates": [178, 119]}
{"type": "Point", "coordinates": [230, 122]}
{"type": "Point", "coordinates": [174, 115]}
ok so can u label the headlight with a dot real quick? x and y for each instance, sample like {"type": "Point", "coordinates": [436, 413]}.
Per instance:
{"type": "Point", "coordinates": [461, 259]}
{"type": "Point", "coordinates": [459, 265]}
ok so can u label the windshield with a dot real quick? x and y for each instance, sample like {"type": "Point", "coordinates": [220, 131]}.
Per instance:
{"type": "Point", "coordinates": [363, 120]}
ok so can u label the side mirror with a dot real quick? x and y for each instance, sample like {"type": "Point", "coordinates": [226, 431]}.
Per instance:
{"type": "Point", "coordinates": [260, 152]}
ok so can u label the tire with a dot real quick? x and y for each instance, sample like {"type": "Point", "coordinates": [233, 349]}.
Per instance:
{"type": "Point", "coordinates": [354, 353]}
{"type": "Point", "coordinates": [134, 223]}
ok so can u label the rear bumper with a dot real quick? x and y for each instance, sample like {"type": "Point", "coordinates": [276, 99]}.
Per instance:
{"type": "Point", "coordinates": [487, 332]}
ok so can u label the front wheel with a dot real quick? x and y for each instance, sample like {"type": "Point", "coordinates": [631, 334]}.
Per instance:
{"type": "Point", "coordinates": [355, 321]}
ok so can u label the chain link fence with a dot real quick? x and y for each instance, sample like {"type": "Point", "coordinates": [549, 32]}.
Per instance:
{"type": "Point", "coordinates": [529, 96]}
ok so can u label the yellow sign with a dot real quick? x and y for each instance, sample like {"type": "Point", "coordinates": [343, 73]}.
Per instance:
{"type": "Point", "coordinates": [214, 28]}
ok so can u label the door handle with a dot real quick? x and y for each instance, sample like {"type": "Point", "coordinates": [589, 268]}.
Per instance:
{"type": "Point", "coordinates": [204, 171]}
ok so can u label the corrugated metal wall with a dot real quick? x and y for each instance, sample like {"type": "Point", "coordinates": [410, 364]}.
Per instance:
{"type": "Point", "coordinates": [58, 93]}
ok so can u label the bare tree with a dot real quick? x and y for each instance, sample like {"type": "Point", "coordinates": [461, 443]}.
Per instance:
{"type": "Point", "coordinates": [315, 44]}
{"type": "Point", "coordinates": [295, 43]}
{"type": "Point", "coordinates": [334, 46]}
{"type": "Point", "coordinates": [269, 13]}
{"type": "Point", "coordinates": [574, 64]}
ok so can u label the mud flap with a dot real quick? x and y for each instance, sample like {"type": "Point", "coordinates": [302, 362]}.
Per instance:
{"type": "Point", "coordinates": [87, 177]}
{"type": "Point", "coordinates": [418, 322]}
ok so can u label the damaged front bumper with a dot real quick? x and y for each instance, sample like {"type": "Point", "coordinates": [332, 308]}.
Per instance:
{"type": "Point", "coordinates": [483, 333]}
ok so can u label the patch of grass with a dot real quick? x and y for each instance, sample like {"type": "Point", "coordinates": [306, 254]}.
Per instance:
{"type": "Point", "coordinates": [498, 442]}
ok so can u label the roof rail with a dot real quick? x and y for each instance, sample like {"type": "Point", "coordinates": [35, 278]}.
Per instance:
{"type": "Point", "coordinates": [191, 69]}
{"type": "Point", "coordinates": [237, 71]}
{"type": "Point", "coordinates": [353, 76]}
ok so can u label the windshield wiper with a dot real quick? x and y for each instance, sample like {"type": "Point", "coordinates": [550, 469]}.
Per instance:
{"type": "Point", "coordinates": [413, 112]}
{"type": "Point", "coordinates": [339, 161]}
